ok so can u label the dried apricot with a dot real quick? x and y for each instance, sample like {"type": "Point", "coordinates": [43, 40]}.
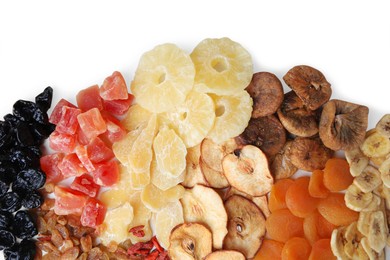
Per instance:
{"type": "Point", "coordinates": [336, 174]}
{"type": "Point", "coordinates": [317, 188]}
{"type": "Point", "coordinates": [296, 248]}
{"type": "Point", "coordinates": [282, 225]}
{"type": "Point", "coordinates": [334, 210]}
{"type": "Point", "coordinates": [315, 227]}
{"type": "Point", "coordinates": [270, 249]}
{"type": "Point", "coordinates": [321, 250]}
{"type": "Point", "coordinates": [278, 194]}
{"type": "Point", "coordinates": [298, 199]}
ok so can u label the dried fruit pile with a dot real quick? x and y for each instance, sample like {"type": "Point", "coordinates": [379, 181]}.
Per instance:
{"type": "Point", "coordinates": [186, 171]}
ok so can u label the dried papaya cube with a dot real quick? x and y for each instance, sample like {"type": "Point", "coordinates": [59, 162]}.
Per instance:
{"type": "Point", "coordinates": [89, 98]}
{"type": "Point", "coordinates": [106, 174]}
{"type": "Point", "coordinates": [86, 185]}
{"type": "Point", "coordinates": [118, 107]}
{"type": "Point", "coordinates": [71, 166]}
{"type": "Point", "coordinates": [68, 201]}
{"type": "Point", "coordinates": [114, 87]}
{"type": "Point", "coordinates": [82, 154]}
{"type": "Point", "coordinates": [93, 213]}
{"type": "Point", "coordinates": [68, 123]}
{"type": "Point", "coordinates": [98, 151]}
{"type": "Point", "coordinates": [49, 165]}
{"type": "Point", "coordinates": [62, 142]}
{"type": "Point", "coordinates": [92, 123]}
{"type": "Point", "coordinates": [57, 111]}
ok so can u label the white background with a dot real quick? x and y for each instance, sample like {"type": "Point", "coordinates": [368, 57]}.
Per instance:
{"type": "Point", "coordinates": [71, 45]}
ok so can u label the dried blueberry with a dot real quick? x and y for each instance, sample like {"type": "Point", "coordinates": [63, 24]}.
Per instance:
{"type": "Point", "coordinates": [24, 136]}
{"type": "Point", "coordinates": [10, 202]}
{"type": "Point", "coordinates": [6, 219]}
{"type": "Point", "coordinates": [31, 179]}
{"type": "Point", "coordinates": [24, 226]}
{"type": "Point", "coordinates": [36, 150]}
{"type": "Point", "coordinates": [5, 134]}
{"type": "Point", "coordinates": [12, 253]}
{"type": "Point", "coordinates": [24, 110]}
{"type": "Point", "coordinates": [24, 158]}
{"type": "Point", "coordinates": [7, 239]}
{"type": "Point", "coordinates": [27, 249]}
{"type": "Point", "coordinates": [44, 99]}
{"type": "Point", "coordinates": [8, 173]}
{"type": "Point", "coordinates": [11, 119]}
{"type": "Point", "coordinates": [41, 131]}
{"type": "Point", "coordinates": [3, 188]}
{"type": "Point", "coordinates": [32, 200]}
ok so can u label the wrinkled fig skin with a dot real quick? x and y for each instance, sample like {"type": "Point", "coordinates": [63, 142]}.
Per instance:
{"type": "Point", "coordinates": [309, 84]}
{"type": "Point", "coordinates": [296, 118]}
{"type": "Point", "coordinates": [267, 133]}
{"type": "Point", "coordinates": [343, 125]}
{"type": "Point", "coordinates": [267, 93]}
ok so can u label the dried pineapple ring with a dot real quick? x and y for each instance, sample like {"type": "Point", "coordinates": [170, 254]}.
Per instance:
{"type": "Point", "coordinates": [166, 219]}
{"type": "Point", "coordinates": [222, 66]}
{"type": "Point", "coordinates": [163, 78]}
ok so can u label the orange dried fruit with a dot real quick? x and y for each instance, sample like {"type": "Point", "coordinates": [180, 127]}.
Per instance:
{"type": "Point", "coordinates": [296, 248]}
{"type": "Point", "coordinates": [334, 210]}
{"type": "Point", "coordinates": [316, 227]}
{"type": "Point", "coordinates": [270, 249]}
{"type": "Point", "coordinates": [277, 195]}
{"type": "Point", "coordinates": [321, 250]}
{"type": "Point", "coordinates": [298, 199]}
{"type": "Point", "coordinates": [283, 225]}
{"type": "Point", "coordinates": [337, 176]}
{"type": "Point", "coordinates": [317, 188]}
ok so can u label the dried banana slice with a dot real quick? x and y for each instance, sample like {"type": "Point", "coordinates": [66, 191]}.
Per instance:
{"type": "Point", "coordinates": [374, 204]}
{"type": "Point", "coordinates": [376, 145]}
{"type": "Point", "coordinates": [353, 237]}
{"type": "Point", "coordinates": [383, 126]}
{"type": "Point", "coordinates": [377, 236]}
{"type": "Point", "coordinates": [357, 161]}
{"type": "Point", "coordinates": [356, 199]}
{"type": "Point", "coordinates": [363, 222]}
{"type": "Point", "coordinates": [372, 255]}
{"type": "Point", "coordinates": [384, 169]}
{"type": "Point", "coordinates": [337, 242]}
{"type": "Point", "coordinates": [368, 180]}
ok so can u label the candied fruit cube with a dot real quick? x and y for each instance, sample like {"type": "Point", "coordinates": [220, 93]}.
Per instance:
{"type": "Point", "coordinates": [68, 123]}
{"type": "Point", "coordinates": [118, 107]}
{"type": "Point", "coordinates": [98, 151]}
{"type": "Point", "coordinates": [92, 123]}
{"type": "Point", "coordinates": [71, 166]}
{"type": "Point", "coordinates": [81, 137]}
{"type": "Point", "coordinates": [114, 87]}
{"type": "Point", "coordinates": [57, 111]}
{"type": "Point", "coordinates": [62, 142]}
{"type": "Point", "coordinates": [86, 185]}
{"type": "Point", "coordinates": [106, 174]}
{"type": "Point", "coordinates": [115, 132]}
{"type": "Point", "coordinates": [68, 201]}
{"type": "Point", "coordinates": [89, 98]}
{"type": "Point", "coordinates": [82, 154]}
{"type": "Point", "coordinates": [49, 165]}
{"type": "Point", "coordinates": [93, 213]}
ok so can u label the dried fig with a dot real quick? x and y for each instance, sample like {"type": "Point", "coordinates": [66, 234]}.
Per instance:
{"type": "Point", "coordinates": [309, 154]}
{"type": "Point", "coordinates": [267, 93]}
{"type": "Point", "coordinates": [343, 125]}
{"type": "Point", "coordinates": [309, 84]}
{"type": "Point", "coordinates": [267, 133]}
{"type": "Point", "coordinates": [282, 167]}
{"type": "Point", "coordinates": [296, 118]}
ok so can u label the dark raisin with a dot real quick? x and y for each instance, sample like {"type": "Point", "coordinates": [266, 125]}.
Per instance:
{"type": "Point", "coordinates": [8, 173]}
{"type": "Point", "coordinates": [24, 226]}
{"type": "Point", "coordinates": [28, 249]}
{"type": "Point", "coordinates": [36, 150]}
{"type": "Point", "coordinates": [23, 134]}
{"type": "Point", "coordinates": [32, 200]}
{"type": "Point", "coordinates": [24, 158]}
{"type": "Point", "coordinates": [3, 188]}
{"type": "Point", "coordinates": [10, 202]}
{"type": "Point", "coordinates": [44, 99]}
{"type": "Point", "coordinates": [11, 119]}
{"type": "Point", "coordinates": [7, 239]}
{"type": "Point", "coordinates": [12, 253]}
{"type": "Point", "coordinates": [6, 219]}
{"type": "Point", "coordinates": [41, 131]}
{"type": "Point", "coordinates": [24, 110]}
{"type": "Point", "coordinates": [40, 116]}
{"type": "Point", "coordinates": [30, 179]}
{"type": "Point", "coordinates": [5, 134]}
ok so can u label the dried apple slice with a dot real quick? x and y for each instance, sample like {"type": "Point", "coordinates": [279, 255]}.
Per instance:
{"type": "Point", "coordinates": [246, 226]}
{"type": "Point", "coordinates": [193, 173]}
{"type": "Point", "coordinates": [261, 201]}
{"type": "Point", "coordinates": [190, 241]}
{"type": "Point", "coordinates": [166, 219]}
{"type": "Point", "coordinates": [204, 205]}
{"type": "Point", "coordinates": [212, 153]}
{"type": "Point", "coordinates": [247, 170]}
{"type": "Point", "coordinates": [225, 255]}
{"type": "Point", "coordinates": [215, 179]}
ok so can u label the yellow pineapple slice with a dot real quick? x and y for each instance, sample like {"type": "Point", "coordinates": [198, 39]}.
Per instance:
{"type": "Point", "coordinates": [232, 116]}
{"type": "Point", "coordinates": [140, 154]}
{"type": "Point", "coordinates": [142, 216]}
{"type": "Point", "coordinates": [135, 117]}
{"type": "Point", "coordinates": [122, 148]}
{"type": "Point", "coordinates": [115, 225]}
{"type": "Point", "coordinates": [170, 152]}
{"type": "Point", "coordinates": [155, 199]}
{"type": "Point", "coordinates": [163, 180]}
{"type": "Point", "coordinates": [166, 219]}
{"type": "Point", "coordinates": [193, 119]}
{"type": "Point", "coordinates": [164, 77]}
{"type": "Point", "coordinates": [222, 66]}
{"type": "Point", "coordinates": [139, 180]}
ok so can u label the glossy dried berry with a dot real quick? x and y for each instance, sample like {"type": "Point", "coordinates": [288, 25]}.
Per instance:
{"type": "Point", "coordinates": [31, 179]}
{"type": "Point", "coordinates": [27, 249]}
{"type": "Point", "coordinates": [24, 137]}
{"type": "Point", "coordinates": [24, 158]}
{"type": "Point", "coordinates": [32, 200]}
{"type": "Point", "coordinates": [5, 133]}
{"type": "Point", "coordinates": [6, 219]}
{"type": "Point", "coordinates": [24, 226]}
{"type": "Point", "coordinates": [10, 202]}
{"type": "Point", "coordinates": [7, 239]}
{"type": "Point", "coordinates": [8, 173]}
{"type": "Point", "coordinates": [43, 100]}
{"type": "Point", "coordinates": [11, 119]}
{"type": "Point", "coordinates": [41, 131]}
{"type": "Point", "coordinates": [3, 188]}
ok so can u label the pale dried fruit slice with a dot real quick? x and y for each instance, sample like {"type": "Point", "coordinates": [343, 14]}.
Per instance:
{"type": "Point", "coordinates": [357, 161]}
{"type": "Point", "coordinates": [193, 119]}
{"type": "Point", "coordinates": [142, 216]}
{"type": "Point", "coordinates": [135, 117]}
{"type": "Point", "coordinates": [247, 170]}
{"type": "Point", "coordinates": [138, 181]}
{"type": "Point", "coordinates": [164, 180]}
{"type": "Point", "coordinates": [383, 126]}
{"type": "Point", "coordinates": [377, 161]}
{"type": "Point", "coordinates": [246, 226]}
{"type": "Point", "coordinates": [212, 153]}
{"type": "Point", "coordinates": [215, 179]}
{"type": "Point", "coordinates": [222, 66]}
{"type": "Point", "coordinates": [122, 148]}
{"type": "Point", "coordinates": [232, 116]}
{"type": "Point", "coordinates": [164, 77]}
{"type": "Point", "coordinates": [190, 241]}
{"type": "Point", "coordinates": [193, 174]}
{"type": "Point", "coordinates": [225, 255]}
{"type": "Point", "coordinates": [384, 169]}
{"type": "Point", "coordinates": [363, 222]}
{"type": "Point", "coordinates": [376, 145]}
{"type": "Point", "coordinates": [337, 242]}
{"type": "Point", "coordinates": [377, 235]}
{"type": "Point", "coordinates": [282, 167]}
{"type": "Point", "coordinates": [155, 199]}
{"type": "Point", "coordinates": [170, 152]}
{"type": "Point", "coordinates": [356, 199]}
{"type": "Point", "coordinates": [368, 180]}
{"type": "Point", "coordinates": [115, 225]}
{"type": "Point", "coordinates": [140, 155]}
{"type": "Point", "coordinates": [353, 237]}
{"type": "Point", "coordinates": [204, 205]}
{"type": "Point", "coordinates": [166, 219]}
{"type": "Point", "coordinates": [374, 204]}
{"type": "Point", "coordinates": [370, 252]}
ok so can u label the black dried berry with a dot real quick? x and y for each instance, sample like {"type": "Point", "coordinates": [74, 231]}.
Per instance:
{"type": "Point", "coordinates": [24, 226]}
{"type": "Point", "coordinates": [24, 136]}
{"type": "Point", "coordinates": [41, 132]}
{"type": "Point", "coordinates": [30, 179]}
{"type": "Point", "coordinates": [27, 246]}
{"type": "Point", "coordinates": [8, 173]}
{"type": "Point", "coordinates": [5, 134]}
{"type": "Point", "coordinates": [36, 150]}
{"type": "Point", "coordinates": [32, 200]}
{"type": "Point", "coordinates": [6, 219]}
{"type": "Point", "coordinates": [44, 99]}
{"type": "Point", "coordinates": [10, 202]}
{"type": "Point", "coordinates": [24, 110]}
{"type": "Point", "coordinates": [12, 253]}
{"type": "Point", "coordinates": [3, 188]}
{"type": "Point", "coordinates": [11, 119]}
{"type": "Point", "coordinates": [7, 239]}
{"type": "Point", "coordinates": [24, 158]}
